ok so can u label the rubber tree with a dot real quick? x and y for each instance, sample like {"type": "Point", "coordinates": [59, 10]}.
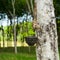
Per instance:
{"type": "Point", "coordinates": [1, 28]}
{"type": "Point", "coordinates": [15, 41]}
{"type": "Point", "coordinates": [13, 8]}
{"type": "Point", "coordinates": [2, 16]}
{"type": "Point", "coordinates": [46, 31]}
{"type": "Point", "coordinates": [3, 37]}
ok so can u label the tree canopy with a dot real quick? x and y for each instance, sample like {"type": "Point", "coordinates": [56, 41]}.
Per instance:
{"type": "Point", "coordinates": [57, 7]}
{"type": "Point", "coordinates": [21, 7]}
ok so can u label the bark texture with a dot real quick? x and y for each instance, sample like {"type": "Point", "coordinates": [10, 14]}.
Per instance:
{"type": "Point", "coordinates": [47, 45]}
{"type": "Point", "coordinates": [15, 37]}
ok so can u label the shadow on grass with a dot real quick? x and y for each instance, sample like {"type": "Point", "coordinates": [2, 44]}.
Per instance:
{"type": "Point", "coordinates": [23, 53]}
{"type": "Point", "coordinates": [30, 50]}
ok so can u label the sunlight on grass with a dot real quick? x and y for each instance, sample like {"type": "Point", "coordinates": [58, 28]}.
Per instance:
{"type": "Point", "coordinates": [23, 54]}
{"type": "Point", "coordinates": [19, 56]}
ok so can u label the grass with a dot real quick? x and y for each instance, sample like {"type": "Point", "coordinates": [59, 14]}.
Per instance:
{"type": "Point", "coordinates": [19, 56]}
{"type": "Point", "coordinates": [23, 53]}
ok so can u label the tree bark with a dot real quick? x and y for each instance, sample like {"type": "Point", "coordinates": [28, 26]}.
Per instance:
{"type": "Point", "coordinates": [15, 41]}
{"type": "Point", "coordinates": [47, 45]}
{"type": "Point", "coordinates": [3, 38]}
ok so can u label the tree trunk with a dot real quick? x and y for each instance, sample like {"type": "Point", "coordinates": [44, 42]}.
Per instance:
{"type": "Point", "coordinates": [2, 35]}
{"type": "Point", "coordinates": [3, 38]}
{"type": "Point", "coordinates": [47, 45]}
{"type": "Point", "coordinates": [15, 41]}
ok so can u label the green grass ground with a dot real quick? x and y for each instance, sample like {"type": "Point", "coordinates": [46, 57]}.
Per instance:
{"type": "Point", "coordinates": [19, 56]}
{"type": "Point", "coordinates": [23, 53]}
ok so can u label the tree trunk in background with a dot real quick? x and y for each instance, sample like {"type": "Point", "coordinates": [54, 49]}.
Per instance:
{"type": "Point", "coordinates": [15, 38]}
{"type": "Point", "coordinates": [47, 45]}
{"type": "Point", "coordinates": [15, 41]}
{"type": "Point", "coordinates": [3, 38]}
{"type": "Point", "coordinates": [3, 35]}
